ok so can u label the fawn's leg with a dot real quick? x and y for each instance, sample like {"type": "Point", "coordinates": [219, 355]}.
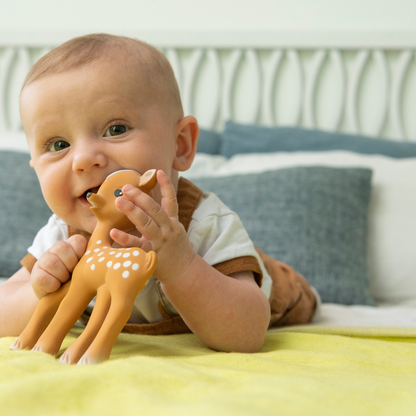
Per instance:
{"type": "Point", "coordinates": [70, 309]}
{"type": "Point", "coordinates": [123, 293]}
{"type": "Point", "coordinates": [81, 344]}
{"type": "Point", "coordinates": [40, 319]}
{"type": "Point", "coordinates": [101, 347]}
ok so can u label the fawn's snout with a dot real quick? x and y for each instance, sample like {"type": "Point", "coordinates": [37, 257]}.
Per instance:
{"type": "Point", "coordinates": [103, 201]}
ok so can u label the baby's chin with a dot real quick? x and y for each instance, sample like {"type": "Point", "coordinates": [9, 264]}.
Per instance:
{"type": "Point", "coordinates": [85, 224]}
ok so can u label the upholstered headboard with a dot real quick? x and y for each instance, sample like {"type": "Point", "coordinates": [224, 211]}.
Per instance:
{"type": "Point", "coordinates": [357, 83]}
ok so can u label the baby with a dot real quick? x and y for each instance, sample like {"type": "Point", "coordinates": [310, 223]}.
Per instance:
{"type": "Point", "coordinates": [101, 103]}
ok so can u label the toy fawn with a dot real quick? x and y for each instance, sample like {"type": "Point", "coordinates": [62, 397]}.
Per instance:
{"type": "Point", "coordinates": [116, 276]}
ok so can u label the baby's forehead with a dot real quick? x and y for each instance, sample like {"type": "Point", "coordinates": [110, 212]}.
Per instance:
{"type": "Point", "coordinates": [116, 73]}
{"type": "Point", "coordinates": [99, 94]}
{"type": "Point", "coordinates": [102, 78]}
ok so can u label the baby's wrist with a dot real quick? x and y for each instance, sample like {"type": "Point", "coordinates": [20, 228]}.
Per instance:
{"type": "Point", "coordinates": [174, 274]}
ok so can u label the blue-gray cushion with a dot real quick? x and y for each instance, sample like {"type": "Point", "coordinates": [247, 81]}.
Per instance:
{"type": "Point", "coordinates": [209, 142]}
{"type": "Point", "coordinates": [312, 218]}
{"type": "Point", "coordinates": [23, 210]}
{"type": "Point", "coordinates": [240, 138]}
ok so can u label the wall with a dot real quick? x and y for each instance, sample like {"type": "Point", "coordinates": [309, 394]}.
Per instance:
{"type": "Point", "coordinates": [25, 19]}
{"type": "Point", "coordinates": [83, 16]}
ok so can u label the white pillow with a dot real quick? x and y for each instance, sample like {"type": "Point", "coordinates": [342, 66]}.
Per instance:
{"type": "Point", "coordinates": [392, 216]}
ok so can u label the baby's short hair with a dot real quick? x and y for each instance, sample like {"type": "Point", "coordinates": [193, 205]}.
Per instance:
{"type": "Point", "coordinates": [88, 49]}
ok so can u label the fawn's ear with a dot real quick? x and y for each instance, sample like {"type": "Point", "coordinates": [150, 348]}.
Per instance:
{"type": "Point", "coordinates": [148, 181]}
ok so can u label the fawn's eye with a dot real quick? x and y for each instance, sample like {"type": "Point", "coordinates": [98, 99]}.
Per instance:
{"type": "Point", "coordinates": [115, 130]}
{"type": "Point", "coordinates": [58, 145]}
{"type": "Point", "coordinates": [118, 192]}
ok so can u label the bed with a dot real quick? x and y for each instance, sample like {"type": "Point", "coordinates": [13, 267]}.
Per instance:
{"type": "Point", "coordinates": [311, 139]}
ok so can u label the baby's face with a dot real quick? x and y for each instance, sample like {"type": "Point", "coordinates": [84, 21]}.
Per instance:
{"type": "Point", "coordinates": [85, 124]}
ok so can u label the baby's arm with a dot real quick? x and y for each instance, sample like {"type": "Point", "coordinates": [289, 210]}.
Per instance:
{"type": "Point", "coordinates": [20, 295]}
{"type": "Point", "coordinates": [228, 314]}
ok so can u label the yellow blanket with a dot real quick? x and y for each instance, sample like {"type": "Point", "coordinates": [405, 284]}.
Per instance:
{"type": "Point", "coordinates": [300, 371]}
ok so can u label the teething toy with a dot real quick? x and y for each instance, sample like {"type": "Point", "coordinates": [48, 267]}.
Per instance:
{"type": "Point", "coordinates": [115, 275]}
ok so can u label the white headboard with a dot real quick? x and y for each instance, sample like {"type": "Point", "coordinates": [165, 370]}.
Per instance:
{"type": "Point", "coordinates": [350, 82]}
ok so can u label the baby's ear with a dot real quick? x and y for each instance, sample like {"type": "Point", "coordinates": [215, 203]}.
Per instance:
{"type": "Point", "coordinates": [186, 140]}
{"type": "Point", "coordinates": [148, 181]}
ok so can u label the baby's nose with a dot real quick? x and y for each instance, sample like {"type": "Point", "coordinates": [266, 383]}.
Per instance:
{"type": "Point", "coordinates": [88, 155]}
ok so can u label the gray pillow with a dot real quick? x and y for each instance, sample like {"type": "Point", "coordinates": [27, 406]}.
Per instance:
{"type": "Point", "coordinates": [23, 210]}
{"type": "Point", "coordinates": [312, 218]}
{"type": "Point", "coordinates": [240, 138]}
{"type": "Point", "coordinates": [209, 142]}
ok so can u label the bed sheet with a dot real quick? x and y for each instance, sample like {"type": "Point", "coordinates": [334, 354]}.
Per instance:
{"type": "Point", "coordinates": [300, 370]}
{"type": "Point", "coordinates": [351, 360]}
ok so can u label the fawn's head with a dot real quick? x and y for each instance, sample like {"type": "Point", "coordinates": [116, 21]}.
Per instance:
{"type": "Point", "coordinates": [103, 202]}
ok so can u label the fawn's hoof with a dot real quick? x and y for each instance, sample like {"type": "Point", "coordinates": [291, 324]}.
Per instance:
{"type": "Point", "coordinates": [69, 357]}
{"type": "Point", "coordinates": [21, 344]}
{"type": "Point", "coordinates": [17, 345]}
{"type": "Point", "coordinates": [66, 359]}
{"type": "Point", "coordinates": [39, 347]}
{"type": "Point", "coordinates": [88, 360]}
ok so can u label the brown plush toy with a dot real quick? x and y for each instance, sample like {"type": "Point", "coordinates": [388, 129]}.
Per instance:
{"type": "Point", "coordinates": [115, 275]}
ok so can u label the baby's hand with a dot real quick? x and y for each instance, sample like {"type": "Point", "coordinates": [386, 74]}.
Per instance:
{"type": "Point", "coordinates": [55, 266]}
{"type": "Point", "coordinates": [159, 226]}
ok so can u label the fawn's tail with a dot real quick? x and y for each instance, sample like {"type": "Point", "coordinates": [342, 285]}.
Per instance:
{"type": "Point", "coordinates": [151, 261]}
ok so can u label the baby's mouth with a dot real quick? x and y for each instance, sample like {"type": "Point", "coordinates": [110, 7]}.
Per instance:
{"type": "Point", "coordinates": [87, 193]}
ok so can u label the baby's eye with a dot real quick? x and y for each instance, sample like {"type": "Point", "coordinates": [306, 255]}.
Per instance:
{"type": "Point", "coordinates": [115, 130]}
{"type": "Point", "coordinates": [58, 145]}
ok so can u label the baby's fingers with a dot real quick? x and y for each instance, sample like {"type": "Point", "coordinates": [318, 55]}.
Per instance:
{"type": "Point", "coordinates": [128, 240]}
{"type": "Point", "coordinates": [79, 245]}
{"type": "Point", "coordinates": [169, 202]}
{"type": "Point", "coordinates": [43, 282]}
{"type": "Point", "coordinates": [57, 261]}
{"type": "Point", "coordinates": [146, 222]}
{"type": "Point", "coordinates": [60, 260]}
{"type": "Point", "coordinates": [55, 266]}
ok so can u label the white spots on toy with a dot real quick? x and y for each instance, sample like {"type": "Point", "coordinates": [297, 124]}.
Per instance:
{"type": "Point", "coordinates": [99, 255]}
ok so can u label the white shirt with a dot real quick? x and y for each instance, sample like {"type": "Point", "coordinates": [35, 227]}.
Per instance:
{"type": "Point", "coordinates": [215, 232]}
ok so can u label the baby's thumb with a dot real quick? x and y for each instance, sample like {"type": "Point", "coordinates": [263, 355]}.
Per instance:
{"type": "Point", "coordinates": [78, 243]}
